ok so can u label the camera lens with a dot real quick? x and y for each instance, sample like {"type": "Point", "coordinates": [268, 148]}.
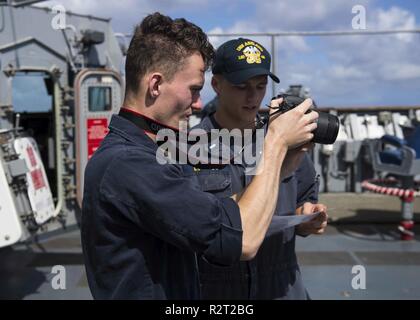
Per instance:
{"type": "Point", "coordinates": [327, 128]}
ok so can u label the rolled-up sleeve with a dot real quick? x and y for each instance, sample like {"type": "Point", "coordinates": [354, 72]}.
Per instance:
{"type": "Point", "coordinates": [162, 202]}
{"type": "Point", "coordinates": [223, 249]}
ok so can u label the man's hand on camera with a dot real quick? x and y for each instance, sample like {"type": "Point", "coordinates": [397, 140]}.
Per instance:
{"type": "Point", "coordinates": [315, 226]}
{"type": "Point", "coordinates": [295, 126]}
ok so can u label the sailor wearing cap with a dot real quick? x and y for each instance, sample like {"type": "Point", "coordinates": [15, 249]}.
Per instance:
{"type": "Point", "coordinates": [240, 73]}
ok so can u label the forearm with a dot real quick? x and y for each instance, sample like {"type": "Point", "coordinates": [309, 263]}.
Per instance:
{"type": "Point", "coordinates": [290, 129]}
{"type": "Point", "coordinates": [259, 200]}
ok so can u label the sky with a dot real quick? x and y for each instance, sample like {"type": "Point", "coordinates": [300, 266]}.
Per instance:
{"type": "Point", "coordinates": [340, 71]}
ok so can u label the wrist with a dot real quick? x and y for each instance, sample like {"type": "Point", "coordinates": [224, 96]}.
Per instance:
{"type": "Point", "coordinates": [275, 141]}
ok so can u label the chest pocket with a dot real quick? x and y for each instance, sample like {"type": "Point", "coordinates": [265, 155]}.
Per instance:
{"type": "Point", "coordinates": [223, 182]}
{"type": "Point", "coordinates": [218, 182]}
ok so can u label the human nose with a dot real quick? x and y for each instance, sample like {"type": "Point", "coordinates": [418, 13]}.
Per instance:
{"type": "Point", "coordinates": [250, 93]}
{"type": "Point", "coordinates": [197, 105]}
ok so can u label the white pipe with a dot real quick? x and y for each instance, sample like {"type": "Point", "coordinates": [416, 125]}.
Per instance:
{"type": "Point", "coordinates": [58, 151]}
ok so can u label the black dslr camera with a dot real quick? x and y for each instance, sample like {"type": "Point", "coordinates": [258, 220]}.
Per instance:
{"type": "Point", "coordinates": [328, 124]}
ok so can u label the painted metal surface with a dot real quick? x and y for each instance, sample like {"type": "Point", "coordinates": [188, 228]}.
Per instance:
{"type": "Point", "coordinates": [39, 192]}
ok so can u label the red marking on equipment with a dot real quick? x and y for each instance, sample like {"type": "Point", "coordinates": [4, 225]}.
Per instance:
{"type": "Point", "coordinates": [96, 132]}
{"type": "Point", "coordinates": [407, 195]}
{"type": "Point", "coordinates": [38, 179]}
{"type": "Point", "coordinates": [31, 155]}
{"type": "Point", "coordinates": [406, 230]}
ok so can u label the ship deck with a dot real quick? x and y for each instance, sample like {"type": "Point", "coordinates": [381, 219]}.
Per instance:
{"type": "Point", "coordinates": [359, 234]}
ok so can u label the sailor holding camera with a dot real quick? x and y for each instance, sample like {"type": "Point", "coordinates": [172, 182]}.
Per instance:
{"type": "Point", "coordinates": [143, 223]}
{"type": "Point", "coordinates": [240, 73]}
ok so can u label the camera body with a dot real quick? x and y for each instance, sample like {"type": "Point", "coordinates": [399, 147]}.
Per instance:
{"type": "Point", "coordinates": [327, 124]}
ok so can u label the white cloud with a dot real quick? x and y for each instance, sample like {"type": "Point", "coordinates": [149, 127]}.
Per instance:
{"type": "Point", "coordinates": [401, 71]}
{"type": "Point", "coordinates": [396, 18]}
{"type": "Point", "coordinates": [109, 8]}
{"type": "Point", "coordinates": [365, 65]}
{"type": "Point", "coordinates": [217, 40]}
{"type": "Point", "coordinates": [305, 14]}
{"type": "Point", "coordinates": [95, 7]}
{"type": "Point", "coordinates": [125, 14]}
{"type": "Point", "coordinates": [295, 43]}
{"type": "Point", "coordinates": [346, 72]}
{"type": "Point", "coordinates": [334, 67]}
{"type": "Point", "coordinates": [299, 77]}
{"type": "Point", "coordinates": [385, 56]}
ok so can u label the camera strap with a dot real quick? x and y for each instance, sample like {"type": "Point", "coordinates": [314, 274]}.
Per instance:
{"type": "Point", "coordinates": [143, 122]}
{"type": "Point", "coordinates": [152, 126]}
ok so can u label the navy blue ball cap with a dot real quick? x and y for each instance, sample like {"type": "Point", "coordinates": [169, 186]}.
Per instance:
{"type": "Point", "coordinates": [241, 59]}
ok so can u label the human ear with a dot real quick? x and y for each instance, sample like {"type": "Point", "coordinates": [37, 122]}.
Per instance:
{"type": "Point", "coordinates": [154, 83]}
{"type": "Point", "coordinates": [215, 83]}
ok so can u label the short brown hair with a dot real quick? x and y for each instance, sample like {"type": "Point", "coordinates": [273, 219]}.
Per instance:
{"type": "Point", "coordinates": [162, 43]}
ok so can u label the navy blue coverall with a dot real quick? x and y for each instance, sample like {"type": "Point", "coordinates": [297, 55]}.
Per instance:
{"type": "Point", "coordinates": [274, 272]}
{"type": "Point", "coordinates": [142, 222]}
